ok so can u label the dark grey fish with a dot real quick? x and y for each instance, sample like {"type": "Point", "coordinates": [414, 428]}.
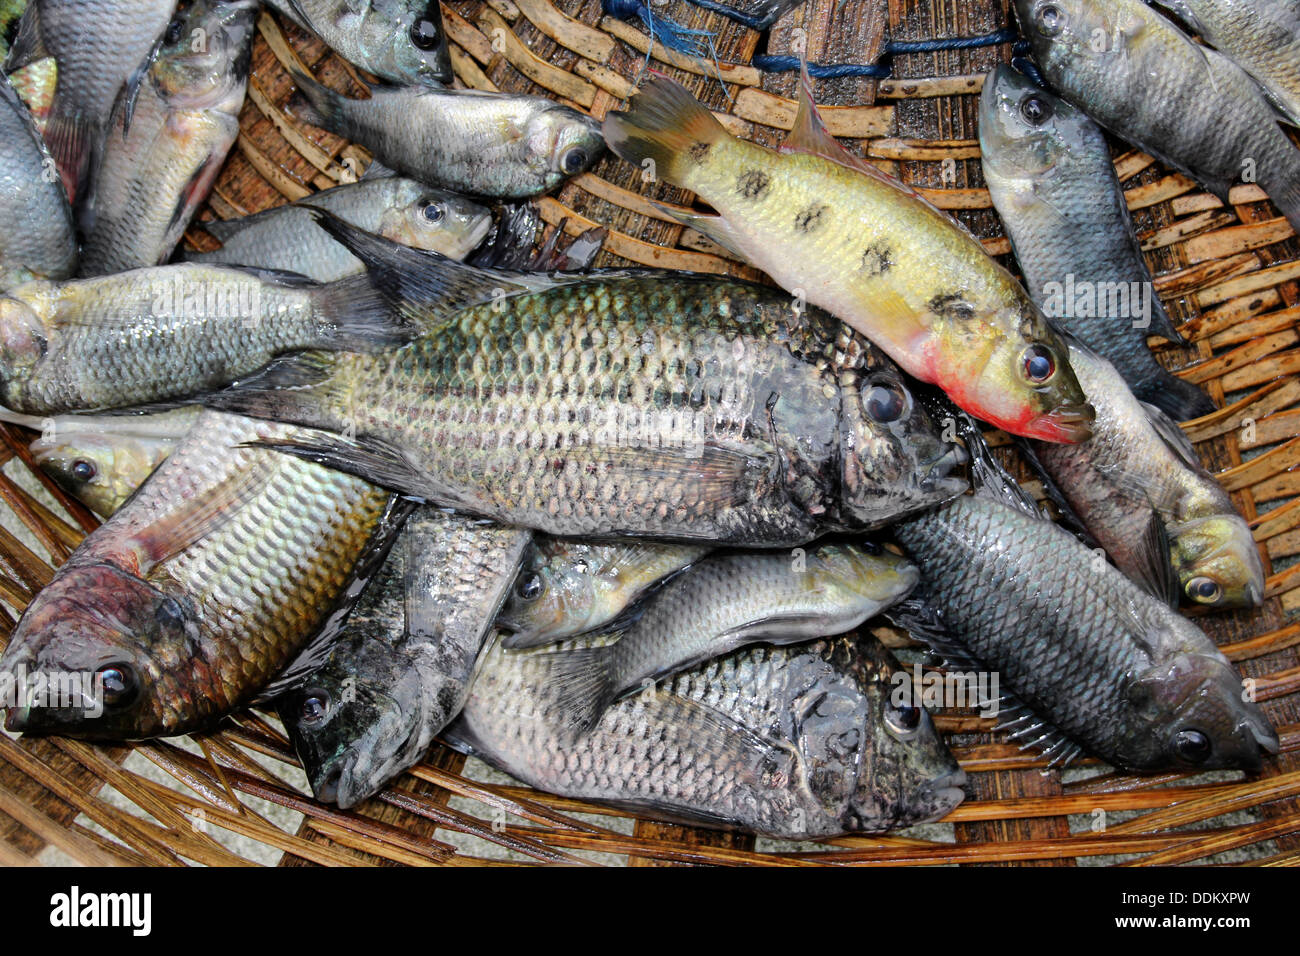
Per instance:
{"type": "Point", "coordinates": [794, 742]}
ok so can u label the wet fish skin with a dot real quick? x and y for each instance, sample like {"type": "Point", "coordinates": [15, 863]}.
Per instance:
{"type": "Point", "coordinates": [569, 587]}
{"type": "Point", "coordinates": [1153, 86]}
{"type": "Point", "coordinates": [793, 742]}
{"type": "Point", "coordinates": [397, 208]}
{"type": "Point", "coordinates": [163, 333]}
{"type": "Point", "coordinates": [505, 146]}
{"type": "Point", "coordinates": [828, 226]}
{"type": "Point", "coordinates": [168, 137]}
{"type": "Point", "coordinates": [39, 237]}
{"type": "Point", "coordinates": [1049, 171]}
{"type": "Point", "coordinates": [402, 41]}
{"type": "Point", "coordinates": [1119, 674]}
{"type": "Point", "coordinates": [1261, 36]}
{"type": "Point", "coordinates": [199, 590]}
{"type": "Point", "coordinates": [1137, 468]}
{"type": "Point", "coordinates": [725, 602]}
{"type": "Point", "coordinates": [402, 667]}
{"type": "Point", "coordinates": [638, 404]}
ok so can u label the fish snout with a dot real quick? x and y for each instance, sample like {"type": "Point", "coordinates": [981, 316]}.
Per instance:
{"type": "Point", "coordinates": [1065, 424]}
{"type": "Point", "coordinates": [939, 797]}
{"type": "Point", "coordinates": [938, 476]}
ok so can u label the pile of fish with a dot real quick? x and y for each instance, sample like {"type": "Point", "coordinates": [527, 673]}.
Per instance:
{"type": "Point", "coordinates": [378, 464]}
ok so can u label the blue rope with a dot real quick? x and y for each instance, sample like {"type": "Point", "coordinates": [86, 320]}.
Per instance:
{"type": "Point", "coordinates": [789, 64]}
{"type": "Point", "coordinates": [691, 42]}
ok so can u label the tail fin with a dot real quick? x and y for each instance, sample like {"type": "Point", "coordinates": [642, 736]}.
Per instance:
{"type": "Point", "coordinates": [1286, 194]}
{"type": "Point", "coordinates": [357, 317]}
{"type": "Point", "coordinates": [1178, 399]}
{"type": "Point", "coordinates": [665, 124]}
{"type": "Point", "coordinates": [583, 683]}
{"type": "Point", "coordinates": [314, 102]}
{"type": "Point", "coordinates": [298, 389]}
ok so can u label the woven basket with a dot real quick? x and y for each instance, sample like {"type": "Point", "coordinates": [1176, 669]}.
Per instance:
{"type": "Point", "coordinates": [1231, 276]}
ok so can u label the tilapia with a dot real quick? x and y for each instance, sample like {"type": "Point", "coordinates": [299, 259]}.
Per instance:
{"type": "Point", "coordinates": [793, 742]}
{"type": "Point", "coordinates": [172, 331]}
{"type": "Point", "coordinates": [639, 404]}
{"type": "Point", "coordinates": [1261, 36]}
{"type": "Point", "coordinates": [1087, 660]}
{"type": "Point", "coordinates": [168, 138]}
{"type": "Point", "coordinates": [836, 232]}
{"type": "Point", "coordinates": [503, 145]}
{"type": "Point", "coordinates": [97, 44]}
{"type": "Point", "coordinates": [1143, 494]}
{"type": "Point", "coordinates": [1138, 75]}
{"type": "Point", "coordinates": [400, 209]}
{"type": "Point", "coordinates": [401, 668]}
{"type": "Point", "coordinates": [183, 605]}
{"type": "Point", "coordinates": [570, 587]}
{"type": "Point", "coordinates": [726, 602]}
{"type": "Point", "coordinates": [1050, 174]}
{"type": "Point", "coordinates": [39, 238]}
{"type": "Point", "coordinates": [401, 41]}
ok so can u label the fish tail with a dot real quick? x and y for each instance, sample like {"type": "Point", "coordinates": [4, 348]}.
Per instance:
{"type": "Point", "coordinates": [1286, 194]}
{"type": "Point", "coordinates": [315, 103]}
{"type": "Point", "coordinates": [666, 125]}
{"type": "Point", "coordinates": [356, 316]}
{"type": "Point", "coordinates": [583, 683]}
{"type": "Point", "coordinates": [1179, 400]}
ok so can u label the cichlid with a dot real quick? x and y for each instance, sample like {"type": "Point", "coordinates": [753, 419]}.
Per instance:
{"type": "Point", "coordinates": [1087, 660]}
{"type": "Point", "coordinates": [402, 41]}
{"type": "Point", "coordinates": [570, 587]}
{"type": "Point", "coordinates": [831, 228]}
{"type": "Point", "coordinates": [502, 145]}
{"type": "Point", "coordinates": [793, 742]}
{"type": "Point", "coordinates": [168, 137]}
{"type": "Point", "coordinates": [1261, 36]}
{"type": "Point", "coordinates": [401, 668]}
{"type": "Point", "coordinates": [1140, 490]}
{"type": "Point", "coordinates": [1050, 174]}
{"type": "Point", "coordinates": [39, 238]}
{"type": "Point", "coordinates": [400, 209]}
{"type": "Point", "coordinates": [171, 331]}
{"type": "Point", "coordinates": [640, 404]}
{"type": "Point", "coordinates": [194, 595]}
{"type": "Point", "coordinates": [726, 602]}
{"type": "Point", "coordinates": [1153, 86]}
{"type": "Point", "coordinates": [97, 44]}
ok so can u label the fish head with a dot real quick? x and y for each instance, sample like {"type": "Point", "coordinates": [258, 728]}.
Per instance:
{"type": "Point", "coordinates": [24, 336]}
{"type": "Point", "coordinates": [553, 598]}
{"type": "Point", "coordinates": [206, 54]}
{"type": "Point", "coordinates": [562, 142]}
{"type": "Point", "coordinates": [1196, 713]}
{"type": "Point", "coordinates": [1066, 31]}
{"type": "Point", "coordinates": [134, 651]}
{"type": "Point", "coordinates": [1218, 563]}
{"type": "Point", "coordinates": [893, 457]}
{"type": "Point", "coordinates": [406, 40]}
{"type": "Point", "coordinates": [866, 571]}
{"type": "Point", "coordinates": [1024, 131]}
{"type": "Point", "coordinates": [427, 218]}
{"type": "Point", "coordinates": [100, 462]}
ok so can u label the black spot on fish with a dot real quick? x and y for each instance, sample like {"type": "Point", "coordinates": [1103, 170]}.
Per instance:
{"type": "Point", "coordinates": [877, 259]}
{"type": "Point", "coordinates": [699, 151]}
{"type": "Point", "coordinates": [953, 306]}
{"type": "Point", "coordinates": [810, 218]}
{"type": "Point", "coordinates": [752, 184]}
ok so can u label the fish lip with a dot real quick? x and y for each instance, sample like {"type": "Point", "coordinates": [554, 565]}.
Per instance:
{"type": "Point", "coordinates": [327, 791]}
{"type": "Point", "coordinates": [944, 793]}
{"type": "Point", "coordinates": [17, 719]}
{"type": "Point", "coordinates": [1065, 424]}
{"type": "Point", "coordinates": [939, 477]}
{"type": "Point", "coordinates": [1265, 737]}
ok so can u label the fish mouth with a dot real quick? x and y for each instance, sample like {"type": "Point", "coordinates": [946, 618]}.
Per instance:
{"type": "Point", "coordinates": [1265, 737]}
{"type": "Point", "coordinates": [17, 718]}
{"type": "Point", "coordinates": [327, 789]}
{"type": "Point", "coordinates": [1065, 425]}
{"type": "Point", "coordinates": [938, 476]}
{"type": "Point", "coordinates": [941, 796]}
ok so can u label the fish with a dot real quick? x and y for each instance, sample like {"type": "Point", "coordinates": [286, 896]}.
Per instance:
{"type": "Point", "coordinates": [401, 41]}
{"type": "Point", "coordinates": [1185, 104]}
{"type": "Point", "coordinates": [1260, 36]}
{"type": "Point", "coordinates": [40, 239]}
{"type": "Point", "coordinates": [151, 335]}
{"type": "Point", "coordinates": [723, 603]}
{"type": "Point", "coordinates": [401, 668]}
{"type": "Point", "coordinates": [35, 84]}
{"type": "Point", "coordinates": [1143, 494]}
{"type": "Point", "coordinates": [186, 604]}
{"type": "Point", "coordinates": [168, 137]}
{"type": "Point", "coordinates": [1087, 660]}
{"type": "Point", "coordinates": [799, 742]}
{"type": "Point", "coordinates": [397, 208]}
{"type": "Point", "coordinates": [11, 12]}
{"type": "Point", "coordinates": [1049, 171]}
{"type": "Point", "coordinates": [621, 404]}
{"type": "Point", "coordinates": [569, 587]}
{"type": "Point", "coordinates": [97, 45]}
{"type": "Point", "coordinates": [500, 145]}
{"type": "Point", "coordinates": [833, 230]}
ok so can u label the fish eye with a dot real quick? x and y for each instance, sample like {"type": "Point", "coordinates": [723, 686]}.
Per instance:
{"type": "Point", "coordinates": [315, 706]}
{"type": "Point", "coordinates": [1051, 19]}
{"type": "Point", "coordinates": [84, 470]}
{"type": "Point", "coordinates": [574, 160]}
{"type": "Point", "coordinates": [1193, 746]}
{"type": "Point", "coordinates": [424, 33]}
{"type": "Point", "coordinates": [1035, 109]}
{"type": "Point", "coordinates": [529, 587]}
{"type": "Point", "coordinates": [870, 547]}
{"type": "Point", "coordinates": [120, 684]}
{"type": "Point", "coordinates": [1039, 364]}
{"type": "Point", "coordinates": [903, 719]}
{"type": "Point", "coordinates": [885, 403]}
{"type": "Point", "coordinates": [174, 30]}
{"type": "Point", "coordinates": [433, 212]}
{"type": "Point", "coordinates": [1204, 590]}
